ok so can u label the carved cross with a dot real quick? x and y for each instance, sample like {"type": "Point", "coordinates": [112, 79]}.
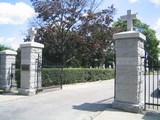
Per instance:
{"type": "Point", "coordinates": [129, 18]}
{"type": "Point", "coordinates": [31, 33]}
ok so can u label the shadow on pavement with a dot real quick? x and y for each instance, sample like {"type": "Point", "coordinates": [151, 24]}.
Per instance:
{"type": "Point", "coordinates": [92, 107]}
{"type": "Point", "coordinates": [151, 115]}
{"type": "Point", "coordinates": [156, 94]}
{"type": "Point", "coordinates": [10, 93]}
{"type": "Point", "coordinates": [95, 107]}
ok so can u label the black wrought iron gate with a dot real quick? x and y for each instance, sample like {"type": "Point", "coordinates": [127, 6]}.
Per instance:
{"type": "Point", "coordinates": [151, 83]}
{"type": "Point", "coordinates": [50, 74]}
{"type": "Point", "coordinates": [12, 75]}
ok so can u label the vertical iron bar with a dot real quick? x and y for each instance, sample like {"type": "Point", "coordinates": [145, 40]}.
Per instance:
{"type": "Point", "coordinates": [145, 81]}
{"type": "Point", "coordinates": [11, 78]}
{"type": "Point", "coordinates": [153, 85]}
{"type": "Point", "coordinates": [149, 83]}
{"type": "Point", "coordinates": [115, 76]}
{"type": "Point", "coordinates": [157, 82]}
{"type": "Point", "coordinates": [37, 71]}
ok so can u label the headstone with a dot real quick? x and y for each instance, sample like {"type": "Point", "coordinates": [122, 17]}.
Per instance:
{"type": "Point", "coordinates": [129, 18]}
{"type": "Point", "coordinates": [103, 66]}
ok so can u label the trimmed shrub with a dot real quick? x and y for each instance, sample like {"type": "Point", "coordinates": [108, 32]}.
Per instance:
{"type": "Point", "coordinates": [74, 75]}
{"type": "Point", "coordinates": [52, 76]}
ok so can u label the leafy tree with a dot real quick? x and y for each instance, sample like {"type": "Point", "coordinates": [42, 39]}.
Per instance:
{"type": "Point", "coordinates": [58, 18]}
{"type": "Point", "coordinates": [18, 59]}
{"type": "Point", "coordinates": [97, 33]}
{"type": "Point", "coordinates": [2, 47]}
{"type": "Point", "coordinates": [110, 59]}
{"type": "Point", "coordinates": [151, 43]}
{"type": "Point", "coordinates": [72, 29]}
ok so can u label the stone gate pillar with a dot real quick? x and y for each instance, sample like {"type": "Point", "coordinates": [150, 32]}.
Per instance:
{"type": "Point", "coordinates": [30, 80]}
{"type": "Point", "coordinates": [7, 58]}
{"type": "Point", "coordinates": [129, 71]}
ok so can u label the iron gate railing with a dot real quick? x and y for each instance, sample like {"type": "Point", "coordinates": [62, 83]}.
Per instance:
{"type": "Point", "coordinates": [50, 80]}
{"type": "Point", "coordinates": [151, 82]}
{"type": "Point", "coordinates": [8, 77]}
{"type": "Point", "coordinates": [12, 75]}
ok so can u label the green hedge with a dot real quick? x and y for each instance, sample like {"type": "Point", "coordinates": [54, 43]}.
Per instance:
{"type": "Point", "coordinates": [51, 76]}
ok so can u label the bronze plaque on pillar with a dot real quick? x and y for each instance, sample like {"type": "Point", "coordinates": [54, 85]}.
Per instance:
{"type": "Point", "coordinates": [25, 67]}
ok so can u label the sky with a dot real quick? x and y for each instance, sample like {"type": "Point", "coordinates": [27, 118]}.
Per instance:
{"type": "Point", "coordinates": [16, 16]}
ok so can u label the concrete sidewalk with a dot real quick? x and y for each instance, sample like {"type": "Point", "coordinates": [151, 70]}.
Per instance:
{"type": "Point", "coordinates": [113, 114]}
{"type": "Point", "coordinates": [4, 97]}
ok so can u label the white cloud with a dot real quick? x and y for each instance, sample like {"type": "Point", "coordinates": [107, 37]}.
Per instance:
{"type": "Point", "coordinates": [1, 40]}
{"type": "Point", "coordinates": [11, 42]}
{"type": "Point", "coordinates": [157, 25]}
{"type": "Point", "coordinates": [156, 2]}
{"type": "Point", "coordinates": [133, 1]}
{"type": "Point", "coordinates": [15, 14]}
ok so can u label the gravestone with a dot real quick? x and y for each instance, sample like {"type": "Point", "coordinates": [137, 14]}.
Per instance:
{"type": "Point", "coordinates": [31, 54]}
{"type": "Point", "coordinates": [7, 58]}
{"type": "Point", "coordinates": [129, 79]}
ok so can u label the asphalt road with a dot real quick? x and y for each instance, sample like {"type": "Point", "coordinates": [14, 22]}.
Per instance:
{"type": "Point", "coordinates": [74, 102]}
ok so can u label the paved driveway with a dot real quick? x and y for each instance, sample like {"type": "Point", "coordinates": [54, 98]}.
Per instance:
{"type": "Point", "coordinates": [74, 102]}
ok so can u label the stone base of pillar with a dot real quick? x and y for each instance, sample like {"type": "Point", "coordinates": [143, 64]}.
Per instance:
{"type": "Point", "coordinates": [129, 107]}
{"type": "Point", "coordinates": [22, 91]}
{"type": "Point", "coordinates": [6, 88]}
{"type": "Point", "coordinates": [39, 90]}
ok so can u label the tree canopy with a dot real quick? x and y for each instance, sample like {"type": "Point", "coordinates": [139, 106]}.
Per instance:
{"type": "Point", "coordinates": [2, 47]}
{"type": "Point", "coordinates": [73, 29]}
{"type": "Point", "coordinates": [151, 43]}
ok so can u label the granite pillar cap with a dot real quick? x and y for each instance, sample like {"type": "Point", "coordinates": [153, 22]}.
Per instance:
{"type": "Point", "coordinates": [129, 34]}
{"type": "Point", "coordinates": [32, 44]}
{"type": "Point", "coordinates": [8, 52]}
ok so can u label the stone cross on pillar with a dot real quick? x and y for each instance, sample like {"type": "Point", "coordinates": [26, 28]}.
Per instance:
{"type": "Point", "coordinates": [129, 18]}
{"type": "Point", "coordinates": [31, 33]}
